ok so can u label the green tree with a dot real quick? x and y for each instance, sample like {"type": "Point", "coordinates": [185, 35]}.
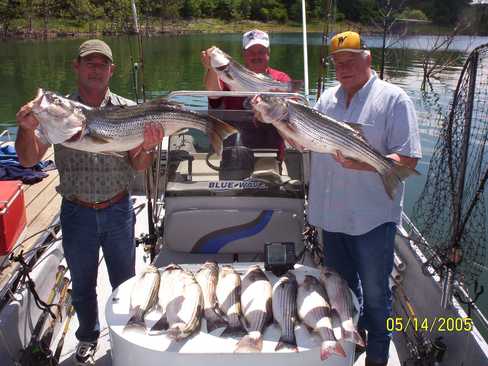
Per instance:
{"type": "Point", "coordinates": [207, 8]}
{"type": "Point", "coordinates": [118, 12]}
{"type": "Point", "coordinates": [448, 12]}
{"type": "Point", "coordinates": [191, 9]}
{"type": "Point", "coordinates": [170, 9]}
{"type": "Point", "coordinates": [9, 10]}
{"type": "Point", "coordinates": [245, 9]}
{"type": "Point", "coordinates": [227, 9]}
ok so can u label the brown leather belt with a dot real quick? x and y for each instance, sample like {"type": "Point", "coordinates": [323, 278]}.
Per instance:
{"type": "Point", "coordinates": [100, 205]}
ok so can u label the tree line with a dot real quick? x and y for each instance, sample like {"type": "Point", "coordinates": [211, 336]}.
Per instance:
{"type": "Point", "coordinates": [442, 12]}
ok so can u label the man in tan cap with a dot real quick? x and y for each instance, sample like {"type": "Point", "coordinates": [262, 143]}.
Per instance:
{"type": "Point", "coordinates": [96, 211]}
{"type": "Point", "coordinates": [346, 197]}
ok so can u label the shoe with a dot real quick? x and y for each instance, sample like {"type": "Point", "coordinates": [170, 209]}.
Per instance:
{"type": "Point", "coordinates": [85, 353]}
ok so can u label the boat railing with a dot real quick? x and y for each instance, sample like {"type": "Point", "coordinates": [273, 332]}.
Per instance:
{"type": "Point", "coordinates": [217, 94]}
{"type": "Point", "coordinates": [425, 251]}
{"type": "Point", "coordinates": [6, 136]}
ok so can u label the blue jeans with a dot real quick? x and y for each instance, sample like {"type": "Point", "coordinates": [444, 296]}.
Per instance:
{"type": "Point", "coordinates": [85, 231]}
{"type": "Point", "coordinates": [365, 262]}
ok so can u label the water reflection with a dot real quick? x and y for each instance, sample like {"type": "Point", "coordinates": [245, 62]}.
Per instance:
{"type": "Point", "coordinates": [173, 63]}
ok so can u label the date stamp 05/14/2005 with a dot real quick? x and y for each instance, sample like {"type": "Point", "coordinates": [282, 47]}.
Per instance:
{"type": "Point", "coordinates": [435, 324]}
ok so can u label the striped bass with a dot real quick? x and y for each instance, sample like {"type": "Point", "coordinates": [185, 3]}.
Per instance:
{"type": "Point", "coordinates": [341, 302]}
{"type": "Point", "coordinates": [307, 128]}
{"type": "Point", "coordinates": [239, 78]}
{"type": "Point", "coordinates": [143, 297]}
{"type": "Point", "coordinates": [229, 298]}
{"type": "Point", "coordinates": [284, 304]}
{"type": "Point", "coordinates": [207, 277]}
{"type": "Point", "coordinates": [117, 128]}
{"type": "Point", "coordinates": [169, 280]}
{"type": "Point", "coordinates": [314, 312]}
{"type": "Point", "coordinates": [256, 308]}
{"type": "Point", "coordinates": [185, 305]}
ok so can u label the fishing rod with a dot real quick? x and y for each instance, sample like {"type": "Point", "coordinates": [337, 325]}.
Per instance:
{"type": "Point", "coordinates": [150, 239]}
{"type": "Point", "coordinates": [34, 354]}
{"type": "Point", "coordinates": [69, 315]}
{"type": "Point", "coordinates": [46, 339]}
{"type": "Point", "coordinates": [324, 50]}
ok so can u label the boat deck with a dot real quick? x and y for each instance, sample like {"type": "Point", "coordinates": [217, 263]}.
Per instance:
{"type": "Point", "coordinates": [42, 204]}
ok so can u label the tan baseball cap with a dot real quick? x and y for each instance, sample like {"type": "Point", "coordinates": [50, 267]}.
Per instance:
{"type": "Point", "coordinates": [347, 42]}
{"type": "Point", "coordinates": [95, 46]}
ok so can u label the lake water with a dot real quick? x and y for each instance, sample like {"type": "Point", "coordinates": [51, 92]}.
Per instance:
{"type": "Point", "coordinates": [173, 63]}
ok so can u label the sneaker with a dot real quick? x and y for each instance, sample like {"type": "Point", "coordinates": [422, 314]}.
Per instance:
{"type": "Point", "coordinates": [85, 353]}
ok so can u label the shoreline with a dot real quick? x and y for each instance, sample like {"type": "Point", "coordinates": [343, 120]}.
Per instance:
{"type": "Point", "coordinates": [154, 28]}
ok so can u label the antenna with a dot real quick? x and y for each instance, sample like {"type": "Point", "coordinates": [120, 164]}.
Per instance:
{"type": "Point", "coordinates": [305, 47]}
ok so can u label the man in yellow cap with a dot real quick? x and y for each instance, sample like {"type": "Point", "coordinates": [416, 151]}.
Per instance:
{"type": "Point", "coordinates": [346, 197]}
{"type": "Point", "coordinates": [96, 211]}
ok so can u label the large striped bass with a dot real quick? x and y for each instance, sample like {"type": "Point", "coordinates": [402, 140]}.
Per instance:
{"type": "Point", "coordinates": [256, 308]}
{"type": "Point", "coordinates": [239, 78]}
{"type": "Point", "coordinates": [284, 303]}
{"type": "Point", "coordinates": [207, 277]}
{"type": "Point", "coordinates": [143, 297]}
{"type": "Point", "coordinates": [117, 128]}
{"type": "Point", "coordinates": [314, 311]}
{"type": "Point", "coordinates": [185, 305]}
{"type": "Point", "coordinates": [229, 298]}
{"type": "Point", "coordinates": [340, 299]}
{"type": "Point", "coordinates": [312, 130]}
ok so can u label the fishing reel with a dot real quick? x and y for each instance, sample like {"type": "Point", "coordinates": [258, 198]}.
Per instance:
{"type": "Point", "coordinates": [35, 355]}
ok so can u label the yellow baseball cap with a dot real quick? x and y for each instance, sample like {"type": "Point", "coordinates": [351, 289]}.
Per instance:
{"type": "Point", "coordinates": [347, 42]}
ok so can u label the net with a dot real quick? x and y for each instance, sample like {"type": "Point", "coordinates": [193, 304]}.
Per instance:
{"type": "Point", "coordinates": [451, 211]}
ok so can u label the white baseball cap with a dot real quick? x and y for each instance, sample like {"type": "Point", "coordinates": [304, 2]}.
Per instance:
{"type": "Point", "coordinates": [254, 37]}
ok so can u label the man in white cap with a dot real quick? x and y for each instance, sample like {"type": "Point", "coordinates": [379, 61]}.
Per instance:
{"type": "Point", "coordinates": [346, 197]}
{"type": "Point", "coordinates": [256, 54]}
{"type": "Point", "coordinates": [96, 211]}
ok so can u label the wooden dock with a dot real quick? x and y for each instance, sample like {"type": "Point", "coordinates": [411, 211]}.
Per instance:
{"type": "Point", "coordinates": [42, 204]}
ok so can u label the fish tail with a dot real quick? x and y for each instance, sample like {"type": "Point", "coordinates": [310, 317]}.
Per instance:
{"type": "Point", "coordinates": [395, 175]}
{"type": "Point", "coordinates": [250, 344]}
{"type": "Point", "coordinates": [136, 321]}
{"type": "Point", "coordinates": [176, 332]}
{"type": "Point", "coordinates": [160, 326]}
{"type": "Point", "coordinates": [328, 348]}
{"type": "Point", "coordinates": [288, 342]}
{"type": "Point", "coordinates": [353, 336]}
{"type": "Point", "coordinates": [233, 331]}
{"type": "Point", "coordinates": [215, 322]}
{"type": "Point", "coordinates": [218, 131]}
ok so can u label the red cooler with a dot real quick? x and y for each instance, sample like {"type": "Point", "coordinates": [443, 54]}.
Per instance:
{"type": "Point", "coordinates": [12, 214]}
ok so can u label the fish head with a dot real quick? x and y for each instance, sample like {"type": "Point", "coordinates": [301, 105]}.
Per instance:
{"type": "Point", "coordinates": [218, 59]}
{"type": "Point", "coordinates": [269, 109]}
{"type": "Point", "coordinates": [59, 118]}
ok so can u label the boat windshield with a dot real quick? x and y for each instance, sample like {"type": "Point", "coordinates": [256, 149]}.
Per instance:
{"type": "Point", "coordinates": [256, 152]}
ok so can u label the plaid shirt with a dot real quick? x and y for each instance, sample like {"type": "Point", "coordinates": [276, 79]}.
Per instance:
{"type": "Point", "coordinates": [93, 177]}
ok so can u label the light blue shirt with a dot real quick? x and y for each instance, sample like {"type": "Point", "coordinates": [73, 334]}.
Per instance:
{"type": "Point", "coordinates": [351, 201]}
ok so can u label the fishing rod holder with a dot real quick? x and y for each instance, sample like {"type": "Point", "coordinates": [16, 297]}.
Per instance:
{"type": "Point", "coordinates": [454, 258]}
